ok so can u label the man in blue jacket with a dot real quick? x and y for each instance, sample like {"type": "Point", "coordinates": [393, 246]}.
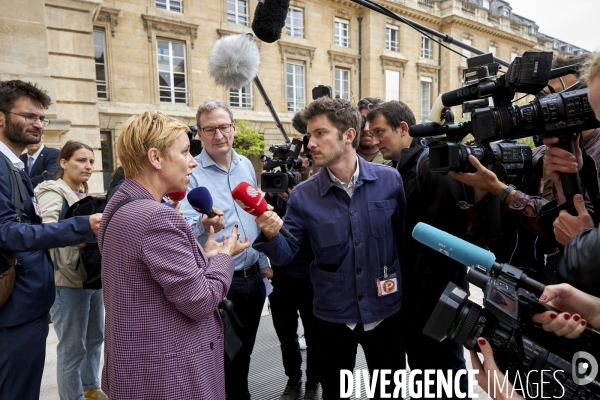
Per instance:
{"type": "Point", "coordinates": [24, 317]}
{"type": "Point", "coordinates": [353, 212]}
{"type": "Point", "coordinates": [41, 162]}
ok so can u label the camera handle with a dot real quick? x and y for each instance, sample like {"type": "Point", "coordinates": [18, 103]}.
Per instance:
{"type": "Point", "coordinates": [570, 182]}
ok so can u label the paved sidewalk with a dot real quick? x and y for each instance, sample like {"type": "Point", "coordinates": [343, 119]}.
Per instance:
{"type": "Point", "coordinates": [266, 377]}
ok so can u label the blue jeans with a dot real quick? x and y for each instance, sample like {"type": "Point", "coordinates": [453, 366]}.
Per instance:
{"type": "Point", "coordinates": [78, 318]}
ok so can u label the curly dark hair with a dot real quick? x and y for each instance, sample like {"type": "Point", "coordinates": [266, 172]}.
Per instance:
{"type": "Point", "coordinates": [11, 91]}
{"type": "Point", "coordinates": [343, 114]}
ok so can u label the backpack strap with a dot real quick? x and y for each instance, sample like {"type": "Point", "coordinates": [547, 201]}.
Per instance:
{"type": "Point", "coordinates": [61, 216]}
{"type": "Point", "coordinates": [114, 210]}
{"type": "Point", "coordinates": [18, 190]}
{"type": "Point", "coordinates": [418, 167]}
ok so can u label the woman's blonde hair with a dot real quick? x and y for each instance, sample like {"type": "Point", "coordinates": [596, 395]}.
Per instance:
{"type": "Point", "coordinates": [591, 69]}
{"type": "Point", "coordinates": [143, 132]}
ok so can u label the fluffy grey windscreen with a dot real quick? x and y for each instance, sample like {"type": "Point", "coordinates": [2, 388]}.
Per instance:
{"type": "Point", "coordinates": [234, 61]}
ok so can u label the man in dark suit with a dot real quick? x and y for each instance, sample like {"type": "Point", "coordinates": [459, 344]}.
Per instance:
{"type": "Point", "coordinates": [24, 316]}
{"type": "Point", "coordinates": [41, 162]}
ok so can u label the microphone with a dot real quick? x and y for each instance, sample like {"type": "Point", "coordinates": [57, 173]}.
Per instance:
{"type": "Point", "coordinates": [176, 196]}
{"type": "Point", "coordinates": [201, 200]}
{"type": "Point", "coordinates": [453, 247]}
{"type": "Point", "coordinates": [298, 124]}
{"type": "Point", "coordinates": [269, 19]}
{"type": "Point", "coordinates": [234, 61]}
{"type": "Point", "coordinates": [251, 201]}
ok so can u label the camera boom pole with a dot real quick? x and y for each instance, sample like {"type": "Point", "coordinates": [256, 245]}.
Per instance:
{"type": "Point", "coordinates": [269, 105]}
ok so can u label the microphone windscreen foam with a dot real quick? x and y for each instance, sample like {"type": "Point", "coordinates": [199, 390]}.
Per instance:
{"type": "Point", "coordinates": [249, 199]}
{"type": "Point", "coordinates": [234, 61]}
{"type": "Point", "coordinates": [269, 19]}
{"type": "Point", "coordinates": [453, 247]}
{"type": "Point", "coordinates": [201, 199]}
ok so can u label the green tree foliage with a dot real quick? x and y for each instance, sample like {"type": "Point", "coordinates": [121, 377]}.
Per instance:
{"type": "Point", "coordinates": [247, 141]}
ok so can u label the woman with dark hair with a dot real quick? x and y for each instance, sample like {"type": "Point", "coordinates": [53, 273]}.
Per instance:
{"type": "Point", "coordinates": [77, 313]}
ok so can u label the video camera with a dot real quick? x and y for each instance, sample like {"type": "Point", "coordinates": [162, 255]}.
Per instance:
{"type": "Point", "coordinates": [195, 144]}
{"type": "Point", "coordinates": [558, 114]}
{"type": "Point", "coordinates": [520, 346]}
{"type": "Point", "coordinates": [285, 157]}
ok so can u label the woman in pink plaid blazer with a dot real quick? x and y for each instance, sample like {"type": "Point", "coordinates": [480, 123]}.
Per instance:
{"type": "Point", "coordinates": [163, 335]}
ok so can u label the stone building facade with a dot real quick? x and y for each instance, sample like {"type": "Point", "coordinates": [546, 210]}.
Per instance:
{"type": "Point", "coordinates": [103, 60]}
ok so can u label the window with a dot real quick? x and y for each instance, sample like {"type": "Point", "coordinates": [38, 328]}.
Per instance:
{"type": "Point", "coordinates": [467, 53]}
{"type": "Point", "coordinates": [555, 45]}
{"type": "Point", "coordinates": [106, 148]}
{"type": "Point", "coordinates": [100, 58]}
{"type": "Point", "coordinates": [294, 23]}
{"type": "Point", "coordinates": [342, 37]}
{"type": "Point", "coordinates": [513, 56]}
{"type": "Point", "coordinates": [485, 4]}
{"type": "Point", "coordinates": [170, 5]}
{"type": "Point", "coordinates": [492, 49]}
{"type": "Point", "coordinates": [241, 97]}
{"type": "Point", "coordinates": [237, 12]}
{"type": "Point", "coordinates": [426, 51]}
{"type": "Point", "coordinates": [391, 38]}
{"type": "Point", "coordinates": [392, 85]}
{"type": "Point", "coordinates": [506, 11]}
{"type": "Point", "coordinates": [342, 83]}
{"type": "Point", "coordinates": [295, 87]}
{"type": "Point", "coordinates": [425, 97]}
{"type": "Point", "coordinates": [533, 30]}
{"type": "Point", "coordinates": [171, 72]}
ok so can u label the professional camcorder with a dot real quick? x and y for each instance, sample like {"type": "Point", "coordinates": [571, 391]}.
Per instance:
{"type": "Point", "coordinates": [285, 157]}
{"type": "Point", "coordinates": [557, 114]}
{"type": "Point", "coordinates": [195, 144]}
{"type": "Point", "coordinates": [521, 347]}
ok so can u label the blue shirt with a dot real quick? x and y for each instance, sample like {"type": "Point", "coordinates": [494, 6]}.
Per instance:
{"type": "Point", "coordinates": [354, 240]}
{"type": "Point", "coordinates": [220, 183]}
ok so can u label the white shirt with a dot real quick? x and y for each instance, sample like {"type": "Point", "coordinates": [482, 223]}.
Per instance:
{"type": "Point", "coordinates": [11, 156]}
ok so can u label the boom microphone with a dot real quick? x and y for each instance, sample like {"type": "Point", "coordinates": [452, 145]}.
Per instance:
{"type": "Point", "coordinates": [251, 201]}
{"type": "Point", "coordinates": [201, 200]}
{"type": "Point", "coordinates": [453, 247]}
{"type": "Point", "coordinates": [234, 61]}
{"type": "Point", "coordinates": [298, 124]}
{"type": "Point", "coordinates": [269, 19]}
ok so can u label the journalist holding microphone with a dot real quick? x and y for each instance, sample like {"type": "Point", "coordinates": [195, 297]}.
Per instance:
{"type": "Point", "coordinates": [163, 336]}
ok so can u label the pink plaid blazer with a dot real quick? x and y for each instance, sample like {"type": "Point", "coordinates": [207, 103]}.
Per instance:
{"type": "Point", "coordinates": [163, 334]}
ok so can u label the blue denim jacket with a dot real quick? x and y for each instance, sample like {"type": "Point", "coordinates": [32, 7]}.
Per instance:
{"type": "Point", "coordinates": [353, 239]}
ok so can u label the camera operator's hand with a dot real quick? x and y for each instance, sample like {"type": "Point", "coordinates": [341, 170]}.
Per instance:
{"type": "Point", "coordinates": [483, 179]}
{"type": "Point", "coordinates": [269, 223]}
{"type": "Point", "coordinates": [217, 222]}
{"type": "Point", "coordinates": [285, 196]}
{"type": "Point", "coordinates": [490, 368]}
{"type": "Point", "coordinates": [558, 160]}
{"type": "Point", "coordinates": [567, 226]}
{"type": "Point", "coordinates": [580, 309]}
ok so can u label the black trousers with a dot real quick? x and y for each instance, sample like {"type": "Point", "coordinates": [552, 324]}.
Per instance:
{"type": "Point", "coordinates": [291, 296]}
{"type": "Point", "coordinates": [248, 297]}
{"type": "Point", "coordinates": [337, 345]}
{"type": "Point", "coordinates": [22, 356]}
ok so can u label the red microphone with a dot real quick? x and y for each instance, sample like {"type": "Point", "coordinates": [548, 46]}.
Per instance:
{"type": "Point", "coordinates": [176, 196]}
{"type": "Point", "coordinates": [250, 200]}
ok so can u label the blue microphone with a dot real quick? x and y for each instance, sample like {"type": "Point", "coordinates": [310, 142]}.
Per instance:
{"type": "Point", "coordinates": [453, 247]}
{"type": "Point", "coordinates": [201, 200]}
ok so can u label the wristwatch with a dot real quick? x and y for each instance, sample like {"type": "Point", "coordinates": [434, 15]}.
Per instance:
{"type": "Point", "coordinates": [505, 192]}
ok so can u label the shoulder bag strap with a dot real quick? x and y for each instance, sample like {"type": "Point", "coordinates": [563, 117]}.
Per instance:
{"type": "Point", "coordinates": [114, 210]}
{"type": "Point", "coordinates": [18, 191]}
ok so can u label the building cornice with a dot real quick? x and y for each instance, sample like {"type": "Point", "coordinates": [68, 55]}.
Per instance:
{"type": "Point", "coordinates": [295, 49]}
{"type": "Point", "coordinates": [110, 15]}
{"type": "Point", "coordinates": [456, 20]}
{"type": "Point", "coordinates": [395, 62]}
{"type": "Point", "coordinates": [337, 57]}
{"type": "Point", "coordinates": [154, 23]}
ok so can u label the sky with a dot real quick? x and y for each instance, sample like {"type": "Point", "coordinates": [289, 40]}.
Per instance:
{"type": "Point", "coordinates": [574, 21]}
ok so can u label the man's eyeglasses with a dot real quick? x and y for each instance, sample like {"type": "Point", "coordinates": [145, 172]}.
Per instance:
{"type": "Point", "coordinates": [32, 118]}
{"type": "Point", "coordinates": [211, 130]}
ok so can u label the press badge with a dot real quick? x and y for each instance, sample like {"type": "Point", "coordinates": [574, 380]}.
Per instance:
{"type": "Point", "coordinates": [36, 207]}
{"type": "Point", "coordinates": [386, 284]}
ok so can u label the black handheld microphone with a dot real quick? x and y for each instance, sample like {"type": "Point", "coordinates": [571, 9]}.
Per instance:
{"type": "Point", "coordinates": [269, 19]}
{"type": "Point", "coordinates": [201, 200]}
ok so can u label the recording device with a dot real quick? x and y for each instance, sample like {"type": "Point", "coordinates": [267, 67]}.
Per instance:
{"type": "Point", "coordinates": [250, 200]}
{"type": "Point", "coordinates": [285, 157]}
{"type": "Point", "coordinates": [201, 200]}
{"type": "Point", "coordinates": [234, 61]}
{"type": "Point", "coordinates": [510, 299]}
{"type": "Point", "coordinates": [195, 144]}
{"type": "Point", "coordinates": [321, 91]}
{"type": "Point", "coordinates": [176, 196]}
{"type": "Point", "coordinates": [269, 19]}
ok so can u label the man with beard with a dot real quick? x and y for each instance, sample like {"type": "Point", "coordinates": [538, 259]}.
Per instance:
{"type": "Point", "coordinates": [353, 213]}
{"type": "Point", "coordinates": [24, 244]}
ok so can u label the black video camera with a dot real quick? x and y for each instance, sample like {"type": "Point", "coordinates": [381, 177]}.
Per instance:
{"type": "Point", "coordinates": [521, 347]}
{"type": "Point", "coordinates": [195, 144]}
{"type": "Point", "coordinates": [558, 114]}
{"type": "Point", "coordinates": [285, 157]}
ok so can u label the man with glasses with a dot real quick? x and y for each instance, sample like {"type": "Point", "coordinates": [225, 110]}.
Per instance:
{"type": "Point", "coordinates": [220, 169]}
{"type": "Point", "coordinates": [24, 242]}
{"type": "Point", "coordinates": [41, 162]}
